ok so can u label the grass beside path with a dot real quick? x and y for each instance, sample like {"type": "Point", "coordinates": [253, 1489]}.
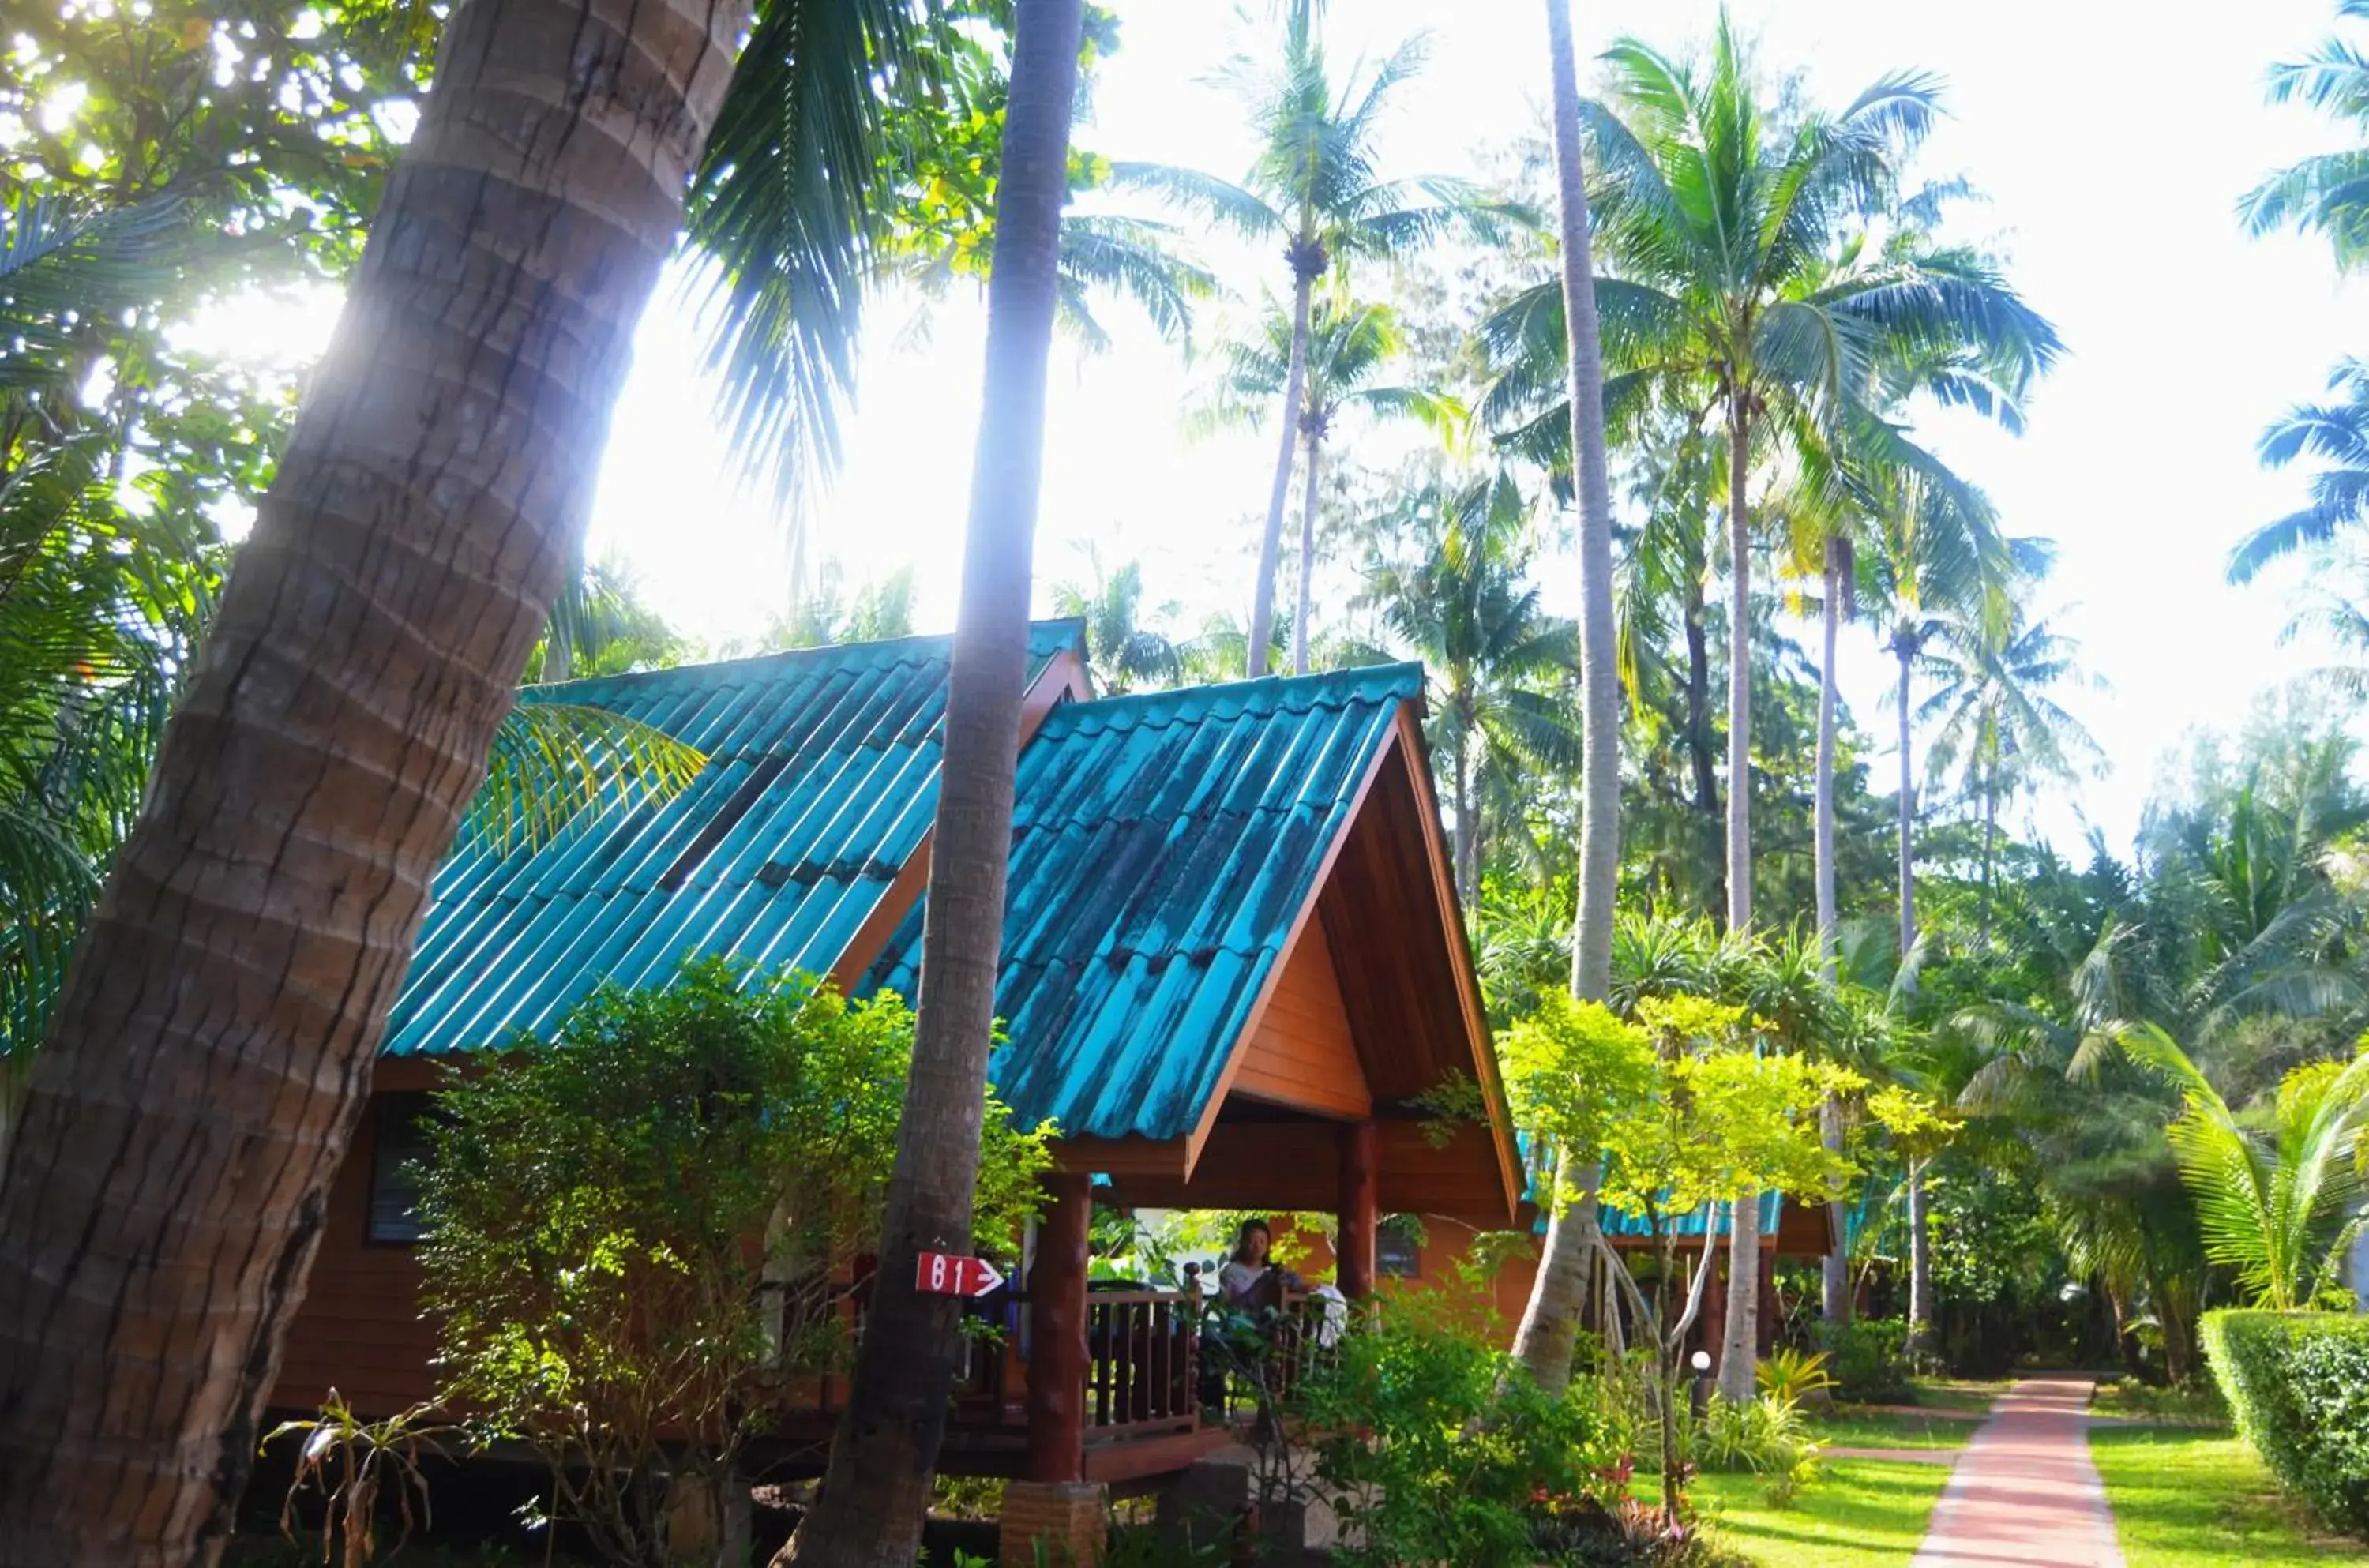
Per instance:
{"type": "Point", "coordinates": [1858, 1513]}
{"type": "Point", "coordinates": [2170, 1407]}
{"type": "Point", "coordinates": [2189, 1499]}
{"type": "Point", "coordinates": [1847, 1427]}
{"type": "Point", "coordinates": [1973, 1395]}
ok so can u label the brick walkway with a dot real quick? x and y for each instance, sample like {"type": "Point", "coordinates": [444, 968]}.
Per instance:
{"type": "Point", "coordinates": [2024, 1494]}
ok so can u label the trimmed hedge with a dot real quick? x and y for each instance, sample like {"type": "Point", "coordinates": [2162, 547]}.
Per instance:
{"type": "Point", "coordinates": [2298, 1383]}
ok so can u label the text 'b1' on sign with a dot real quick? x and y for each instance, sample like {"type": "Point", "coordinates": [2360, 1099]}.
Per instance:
{"type": "Point", "coordinates": [943, 1273]}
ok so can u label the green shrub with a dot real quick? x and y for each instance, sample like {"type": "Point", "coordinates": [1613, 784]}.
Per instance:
{"type": "Point", "coordinates": [1868, 1358]}
{"type": "Point", "coordinates": [1438, 1448]}
{"type": "Point", "coordinates": [2298, 1383]}
{"type": "Point", "coordinates": [1766, 1435]}
{"type": "Point", "coordinates": [639, 1230]}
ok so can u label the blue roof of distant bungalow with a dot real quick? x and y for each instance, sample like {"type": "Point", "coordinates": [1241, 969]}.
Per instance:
{"type": "Point", "coordinates": [1620, 1225]}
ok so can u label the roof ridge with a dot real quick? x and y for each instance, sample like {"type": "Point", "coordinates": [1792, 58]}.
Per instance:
{"type": "Point", "coordinates": [1316, 685]}
{"type": "Point", "coordinates": [919, 645]}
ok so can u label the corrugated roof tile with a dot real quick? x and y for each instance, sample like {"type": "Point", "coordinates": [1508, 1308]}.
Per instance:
{"type": "Point", "coordinates": [1163, 848]}
{"type": "Point", "coordinates": [850, 738]}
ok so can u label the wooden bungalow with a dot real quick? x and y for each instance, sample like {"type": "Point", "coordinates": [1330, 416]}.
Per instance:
{"type": "Point", "coordinates": [1233, 962]}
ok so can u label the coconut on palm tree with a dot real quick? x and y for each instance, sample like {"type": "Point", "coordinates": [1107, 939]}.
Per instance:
{"type": "Point", "coordinates": [1314, 185]}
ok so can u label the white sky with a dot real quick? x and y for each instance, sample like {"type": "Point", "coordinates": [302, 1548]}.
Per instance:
{"type": "Point", "coordinates": [2113, 141]}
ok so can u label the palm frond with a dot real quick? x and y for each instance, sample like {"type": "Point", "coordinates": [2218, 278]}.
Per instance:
{"type": "Point", "coordinates": [554, 763]}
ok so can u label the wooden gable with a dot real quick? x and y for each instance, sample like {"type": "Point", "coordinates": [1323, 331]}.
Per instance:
{"type": "Point", "coordinates": [1301, 1055]}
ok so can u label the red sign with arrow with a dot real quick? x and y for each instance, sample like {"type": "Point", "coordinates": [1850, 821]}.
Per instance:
{"type": "Point", "coordinates": [945, 1273]}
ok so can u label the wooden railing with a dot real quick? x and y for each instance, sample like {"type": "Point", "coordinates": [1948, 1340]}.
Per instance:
{"type": "Point", "coordinates": [979, 1380]}
{"type": "Point", "coordinates": [1143, 1359]}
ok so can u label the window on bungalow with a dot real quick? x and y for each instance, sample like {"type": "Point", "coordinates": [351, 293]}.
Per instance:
{"type": "Point", "coordinates": [398, 1139]}
{"type": "Point", "coordinates": [1396, 1250]}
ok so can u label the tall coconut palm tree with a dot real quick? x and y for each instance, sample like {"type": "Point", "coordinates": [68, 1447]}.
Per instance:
{"type": "Point", "coordinates": [227, 995]}
{"type": "Point", "coordinates": [1937, 559]}
{"type": "Point", "coordinates": [2328, 193]}
{"type": "Point", "coordinates": [1123, 653]}
{"type": "Point", "coordinates": [1729, 303]}
{"type": "Point", "coordinates": [1991, 715]}
{"type": "Point", "coordinates": [877, 1487]}
{"type": "Point", "coordinates": [1544, 1339]}
{"type": "Point", "coordinates": [1465, 606]}
{"type": "Point", "coordinates": [2336, 432]}
{"type": "Point", "coordinates": [1315, 185]}
{"type": "Point", "coordinates": [1348, 345]}
{"type": "Point", "coordinates": [822, 183]}
{"type": "Point", "coordinates": [1662, 595]}
{"type": "Point", "coordinates": [1846, 485]}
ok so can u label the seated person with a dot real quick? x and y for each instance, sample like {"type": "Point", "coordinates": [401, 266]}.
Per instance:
{"type": "Point", "coordinates": [1250, 1281]}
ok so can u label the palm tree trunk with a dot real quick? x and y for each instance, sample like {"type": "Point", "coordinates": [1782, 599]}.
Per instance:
{"type": "Point", "coordinates": [1295, 380]}
{"type": "Point", "coordinates": [1299, 616]}
{"type": "Point", "coordinates": [1467, 829]}
{"type": "Point", "coordinates": [1907, 649]}
{"type": "Point", "coordinates": [1990, 840]}
{"type": "Point", "coordinates": [167, 1184]}
{"type": "Point", "coordinates": [1921, 1262]}
{"type": "Point", "coordinates": [1701, 745]}
{"type": "Point", "coordinates": [1544, 1344]}
{"type": "Point", "coordinates": [1823, 831]}
{"type": "Point", "coordinates": [1739, 668]}
{"type": "Point", "coordinates": [1545, 1339]}
{"type": "Point", "coordinates": [1834, 1276]}
{"type": "Point", "coordinates": [1740, 1345]}
{"type": "Point", "coordinates": [869, 1512]}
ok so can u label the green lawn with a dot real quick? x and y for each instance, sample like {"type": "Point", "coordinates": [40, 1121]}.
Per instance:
{"type": "Point", "coordinates": [1973, 1395]}
{"type": "Point", "coordinates": [1849, 1427]}
{"type": "Point", "coordinates": [1858, 1513]}
{"type": "Point", "coordinates": [2175, 1407]}
{"type": "Point", "coordinates": [2189, 1499]}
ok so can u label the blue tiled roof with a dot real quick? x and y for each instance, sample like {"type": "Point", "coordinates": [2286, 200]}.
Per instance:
{"type": "Point", "coordinates": [821, 777]}
{"type": "Point", "coordinates": [1619, 1224]}
{"type": "Point", "coordinates": [1163, 848]}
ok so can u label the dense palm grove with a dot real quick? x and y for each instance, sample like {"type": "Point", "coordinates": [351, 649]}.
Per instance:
{"type": "Point", "coordinates": [2078, 1093]}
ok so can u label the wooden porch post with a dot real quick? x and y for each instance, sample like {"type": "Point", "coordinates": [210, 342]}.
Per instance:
{"type": "Point", "coordinates": [1057, 1328]}
{"type": "Point", "coordinates": [1360, 1211]}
